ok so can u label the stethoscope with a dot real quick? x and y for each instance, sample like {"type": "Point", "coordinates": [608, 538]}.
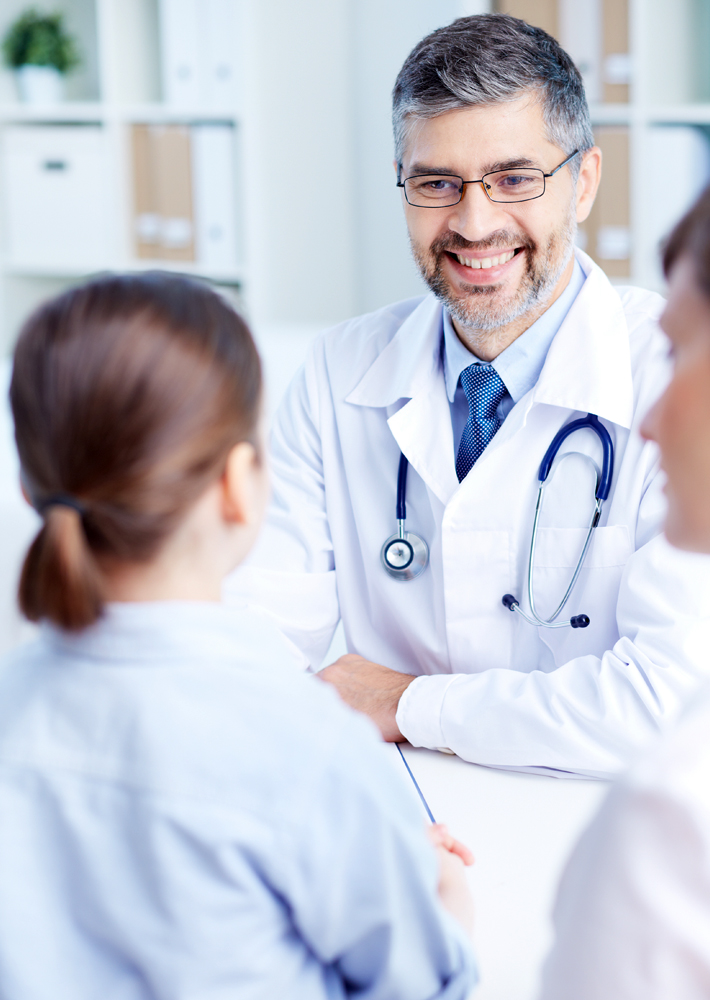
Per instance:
{"type": "Point", "coordinates": [405, 555]}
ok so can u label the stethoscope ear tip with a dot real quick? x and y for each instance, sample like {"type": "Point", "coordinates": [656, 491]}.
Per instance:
{"type": "Point", "coordinates": [579, 621]}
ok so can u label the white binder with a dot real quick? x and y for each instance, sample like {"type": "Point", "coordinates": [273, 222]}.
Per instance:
{"type": "Point", "coordinates": [199, 41]}
{"type": "Point", "coordinates": [214, 201]}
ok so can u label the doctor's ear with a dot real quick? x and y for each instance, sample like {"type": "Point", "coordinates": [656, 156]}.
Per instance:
{"type": "Point", "coordinates": [590, 174]}
{"type": "Point", "coordinates": [244, 485]}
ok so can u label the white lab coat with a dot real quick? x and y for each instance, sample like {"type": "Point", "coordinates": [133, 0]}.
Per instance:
{"type": "Point", "coordinates": [495, 690]}
{"type": "Point", "coordinates": [632, 920]}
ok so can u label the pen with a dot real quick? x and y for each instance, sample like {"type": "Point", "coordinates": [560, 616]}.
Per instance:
{"type": "Point", "coordinates": [421, 796]}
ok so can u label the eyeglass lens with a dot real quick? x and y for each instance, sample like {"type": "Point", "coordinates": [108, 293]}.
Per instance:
{"type": "Point", "coordinates": [502, 185]}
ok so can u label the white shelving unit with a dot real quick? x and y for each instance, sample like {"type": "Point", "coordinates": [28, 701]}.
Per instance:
{"type": "Point", "coordinates": [293, 151]}
{"type": "Point", "coordinates": [119, 86]}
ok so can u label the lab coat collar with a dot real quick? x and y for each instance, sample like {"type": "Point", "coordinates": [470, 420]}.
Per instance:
{"type": "Point", "coordinates": [588, 366]}
{"type": "Point", "coordinates": [408, 363]}
{"type": "Point", "coordinates": [411, 368]}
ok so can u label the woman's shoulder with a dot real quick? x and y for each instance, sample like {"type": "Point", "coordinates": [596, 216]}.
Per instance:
{"type": "Point", "coordinates": [227, 719]}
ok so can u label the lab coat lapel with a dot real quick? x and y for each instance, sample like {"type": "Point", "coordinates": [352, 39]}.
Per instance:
{"type": "Point", "coordinates": [410, 368]}
{"type": "Point", "coordinates": [588, 366]}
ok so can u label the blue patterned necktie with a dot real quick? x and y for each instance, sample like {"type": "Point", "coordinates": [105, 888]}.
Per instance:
{"type": "Point", "coordinates": [484, 390]}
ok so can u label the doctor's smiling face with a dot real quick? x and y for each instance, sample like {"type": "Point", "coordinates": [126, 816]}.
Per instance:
{"type": "Point", "coordinates": [496, 266]}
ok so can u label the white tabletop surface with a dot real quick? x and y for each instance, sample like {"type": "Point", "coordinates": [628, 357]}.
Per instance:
{"type": "Point", "coordinates": [521, 828]}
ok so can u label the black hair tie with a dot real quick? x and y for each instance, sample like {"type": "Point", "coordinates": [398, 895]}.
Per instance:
{"type": "Point", "coordinates": [61, 500]}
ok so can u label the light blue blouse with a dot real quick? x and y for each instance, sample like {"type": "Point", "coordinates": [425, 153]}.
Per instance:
{"type": "Point", "coordinates": [184, 814]}
{"type": "Point", "coordinates": [519, 365]}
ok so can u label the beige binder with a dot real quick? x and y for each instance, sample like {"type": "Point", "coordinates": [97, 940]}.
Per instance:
{"type": "Point", "coordinates": [162, 186]}
{"type": "Point", "coordinates": [607, 230]}
{"type": "Point", "coordinates": [616, 64]}
{"type": "Point", "coordinates": [173, 179]}
{"type": "Point", "coordinates": [541, 13]}
{"type": "Point", "coordinates": [146, 221]}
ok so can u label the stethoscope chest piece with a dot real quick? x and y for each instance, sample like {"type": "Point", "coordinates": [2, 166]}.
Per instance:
{"type": "Point", "coordinates": [405, 555]}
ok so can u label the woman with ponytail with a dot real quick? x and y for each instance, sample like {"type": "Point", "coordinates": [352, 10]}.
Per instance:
{"type": "Point", "coordinates": [183, 813]}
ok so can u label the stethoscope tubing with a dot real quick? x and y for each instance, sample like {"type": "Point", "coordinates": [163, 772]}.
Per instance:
{"type": "Point", "coordinates": [603, 486]}
{"type": "Point", "coordinates": [418, 551]}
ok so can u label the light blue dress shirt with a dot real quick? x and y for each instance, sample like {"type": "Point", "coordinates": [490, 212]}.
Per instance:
{"type": "Point", "coordinates": [184, 814]}
{"type": "Point", "coordinates": [518, 366]}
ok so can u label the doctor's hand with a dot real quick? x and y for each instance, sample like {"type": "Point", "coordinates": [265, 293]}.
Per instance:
{"type": "Point", "coordinates": [369, 688]}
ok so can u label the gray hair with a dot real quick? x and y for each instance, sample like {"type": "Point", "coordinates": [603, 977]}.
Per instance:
{"type": "Point", "coordinates": [489, 59]}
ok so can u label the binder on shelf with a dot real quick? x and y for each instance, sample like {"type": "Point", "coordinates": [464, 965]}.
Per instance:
{"type": "Point", "coordinates": [214, 196]}
{"type": "Point", "coordinates": [185, 194]}
{"type": "Point", "coordinates": [180, 31]}
{"type": "Point", "coordinates": [683, 153]}
{"type": "Point", "coordinates": [220, 80]}
{"type": "Point", "coordinates": [580, 34]}
{"type": "Point", "coordinates": [173, 172]}
{"type": "Point", "coordinates": [616, 60]}
{"type": "Point", "coordinates": [606, 234]}
{"type": "Point", "coordinates": [146, 229]}
{"type": "Point", "coordinates": [542, 13]}
{"type": "Point", "coordinates": [199, 53]}
{"type": "Point", "coordinates": [162, 193]}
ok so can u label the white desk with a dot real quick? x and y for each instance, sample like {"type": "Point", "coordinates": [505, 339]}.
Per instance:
{"type": "Point", "coordinates": [521, 828]}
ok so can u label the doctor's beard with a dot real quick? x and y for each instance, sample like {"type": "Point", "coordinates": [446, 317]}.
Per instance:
{"type": "Point", "coordinates": [474, 307]}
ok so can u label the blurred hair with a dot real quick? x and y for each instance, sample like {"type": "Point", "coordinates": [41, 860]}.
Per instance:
{"type": "Point", "coordinates": [488, 59]}
{"type": "Point", "coordinates": [128, 393]}
{"type": "Point", "coordinates": [692, 236]}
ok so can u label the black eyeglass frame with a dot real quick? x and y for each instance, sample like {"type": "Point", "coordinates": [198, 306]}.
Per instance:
{"type": "Point", "coordinates": [482, 181]}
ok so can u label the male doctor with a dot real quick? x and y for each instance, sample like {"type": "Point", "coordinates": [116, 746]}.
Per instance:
{"type": "Point", "coordinates": [496, 165]}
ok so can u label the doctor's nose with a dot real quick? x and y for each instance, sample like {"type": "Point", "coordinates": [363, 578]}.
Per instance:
{"type": "Point", "coordinates": [476, 216]}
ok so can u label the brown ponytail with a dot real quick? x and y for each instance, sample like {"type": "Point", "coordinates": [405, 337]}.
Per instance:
{"type": "Point", "coordinates": [60, 578]}
{"type": "Point", "coordinates": [127, 394]}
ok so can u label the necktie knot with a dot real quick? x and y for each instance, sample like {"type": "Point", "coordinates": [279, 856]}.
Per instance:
{"type": "Point", "coordinates": [484, 391]}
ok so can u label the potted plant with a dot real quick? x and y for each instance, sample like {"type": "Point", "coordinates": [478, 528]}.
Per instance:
{"type": "Point", "coordinates": [40, 51]}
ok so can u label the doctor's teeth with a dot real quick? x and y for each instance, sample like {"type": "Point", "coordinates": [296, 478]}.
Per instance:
{"type": "Point", "coordinates": [486, 262]}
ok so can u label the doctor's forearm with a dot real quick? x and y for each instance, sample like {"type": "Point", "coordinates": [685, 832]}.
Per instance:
{"type": "Point", "coordinates": [371, 689]}
{"type": "Point", "coordinates": [574, 719]}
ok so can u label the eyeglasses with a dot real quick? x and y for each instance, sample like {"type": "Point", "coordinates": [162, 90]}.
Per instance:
{"type": "Point", "coordinates": [500, 186]}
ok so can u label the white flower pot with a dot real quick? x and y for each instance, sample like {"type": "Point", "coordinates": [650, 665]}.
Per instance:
{"type": "Point", "coordinates": [39, 84]}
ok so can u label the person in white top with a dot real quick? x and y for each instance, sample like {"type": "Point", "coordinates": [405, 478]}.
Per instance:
{"type": "Point", "coordinates": [633, 915]}
{"type": "Point", "coordinates": [463, 392]}
{"type": "Point", "coordinates": [182, 812]}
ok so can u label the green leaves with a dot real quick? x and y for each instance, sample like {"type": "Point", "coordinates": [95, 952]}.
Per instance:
{"type": "Point", "coordinates": [40, 40]}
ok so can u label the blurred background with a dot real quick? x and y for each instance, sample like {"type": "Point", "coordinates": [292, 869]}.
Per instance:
{"type": "Point", "coordinates": [249, 142]}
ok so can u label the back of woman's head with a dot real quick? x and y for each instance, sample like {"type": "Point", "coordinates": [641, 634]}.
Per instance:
{"type": "Point", "coordinates": [128, 394]}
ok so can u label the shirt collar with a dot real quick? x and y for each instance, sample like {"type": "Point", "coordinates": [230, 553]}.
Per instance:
{"type": "Point", "coordinates": [169, 632]}
{"type": "Point", "coordinates": [520, 364]}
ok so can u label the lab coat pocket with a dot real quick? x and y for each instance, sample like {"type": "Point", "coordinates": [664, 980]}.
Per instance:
{"type": "Point", "coordinates": [562, 547]}
{"type": "Point", "coordinates": [595, 594]}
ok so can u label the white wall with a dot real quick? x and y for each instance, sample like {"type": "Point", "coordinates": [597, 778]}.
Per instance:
{"type": "Point", "coordinates": [297, 183]}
